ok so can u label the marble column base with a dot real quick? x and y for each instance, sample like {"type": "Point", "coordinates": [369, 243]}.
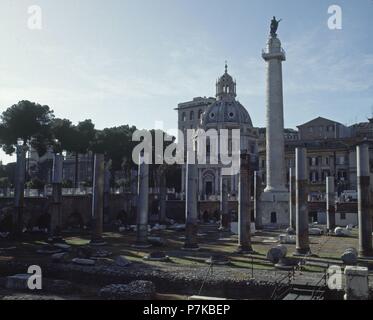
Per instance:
{"type": "Point", "coordinates": [302, 252]}
{"type": "Point", "coordinates": [245, 250]}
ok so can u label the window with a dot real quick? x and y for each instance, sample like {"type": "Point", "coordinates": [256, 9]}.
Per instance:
{"type": "Point", "coordinates": [183, 117]}
{"type": "Point", "coordinates": [314, 176]}
{"type": "Point", "coordinates": [200, 113]}
{"type": "Point", "coordinates": [330, 128]}
{"type": "Point", "coordinates": [191, 116]}
{"type": "Point", "coordinates": [314, 161]}
{"type": "Point", "coordinates": [273, 217]}
{"type": "Point", "coordinates": [343, 216]}
{"type": "Point", "coordinates": [252, 148]}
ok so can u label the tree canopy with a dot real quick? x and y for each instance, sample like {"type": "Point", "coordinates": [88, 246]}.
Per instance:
{"type": "Point", "coordinates": [28, 121]}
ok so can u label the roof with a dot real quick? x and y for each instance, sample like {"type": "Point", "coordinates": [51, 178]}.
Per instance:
{"type": "Point", "coordinates": [317, 120]}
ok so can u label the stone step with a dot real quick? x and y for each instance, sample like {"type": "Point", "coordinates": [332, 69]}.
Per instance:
{"type": "Point", "coordinates": [304, 294]}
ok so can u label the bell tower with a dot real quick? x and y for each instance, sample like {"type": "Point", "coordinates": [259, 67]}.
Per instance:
{"type": "Point", "coordinates": [225, 86]}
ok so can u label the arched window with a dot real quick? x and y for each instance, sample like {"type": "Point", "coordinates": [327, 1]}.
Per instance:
{"type": "Point", "coordinates": [200, 113]}
{"type": "Point", "coordinates": [191, 116]}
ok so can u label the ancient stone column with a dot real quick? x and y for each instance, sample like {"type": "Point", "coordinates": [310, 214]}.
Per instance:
{"type": "Point", "coordinates": [19, 192]}
{"type": "Point", "coordinates": [364, 202]}
{"type": "Point", "coordinates": [162, 199]}
{"type": "Point", "coordinates": [257, 192]}
{"type": "Point", "coordinates": [302, 236]}
{"type": "Point", "coordinates": [244, 208]}
{"type": "Point", "coordinates": [224, 204]}
{"type": "Point", "coordinates": [143, 205]}
{"type": "Point", "coordinates": [107, 179]}
{"type": "Point", "coordinates": [98, 200]}
{"type": "Point", "coordinates": [56, 219]}
{"type": "Point", "coordinates": [274, 56]}
{"type": "Point", "coordinates": [191, 205]}
{"type": "Point", "coordinates": [275, 198]}
{"type": "Point", "coordinates": [330, 203]}
{"type": "Point", "coordinates": [134, 185]}
{"type": "Point", "coordinates": [292, 197]}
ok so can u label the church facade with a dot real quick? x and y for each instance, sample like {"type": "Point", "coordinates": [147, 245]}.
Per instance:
{"type": "Point", "coordinates": [223, 111]}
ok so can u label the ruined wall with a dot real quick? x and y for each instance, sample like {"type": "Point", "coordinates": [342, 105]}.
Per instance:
{"type": "Point", "coordinates": [76, 210]}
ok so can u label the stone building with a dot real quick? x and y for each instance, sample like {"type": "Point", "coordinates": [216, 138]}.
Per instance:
{"type": "Point", "coordinates": [222, 112]}
{"type": "Point", "coordinates": [323, 129]}
{"type": "Point", "coordinates": [363, 129]}
{"type": "Point", "coordinates": [331, 151]}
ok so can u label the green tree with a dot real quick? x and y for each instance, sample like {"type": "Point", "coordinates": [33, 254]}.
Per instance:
{"type": "Point", "coordinates": [63, 131]}
{"type": "Point", "coordinates": [28, 121]}
{"type": "Point", "coordinates": [117, 145]}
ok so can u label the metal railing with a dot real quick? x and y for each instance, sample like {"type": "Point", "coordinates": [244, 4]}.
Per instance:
{"type": "Point", "coordinates": [283, 286]}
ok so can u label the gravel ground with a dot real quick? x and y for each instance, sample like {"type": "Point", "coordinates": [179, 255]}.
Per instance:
{"type": "Point", "coordinates": [218, 281]}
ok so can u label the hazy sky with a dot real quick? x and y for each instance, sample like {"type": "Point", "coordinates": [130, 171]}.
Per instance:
{"type": "Point", "coordinates": [131, 62]}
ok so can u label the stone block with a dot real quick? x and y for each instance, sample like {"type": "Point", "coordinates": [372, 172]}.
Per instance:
{"type": "Point", "coordinates": [17, 282]}
{"type": "Point", "coordinates": [357, 283]}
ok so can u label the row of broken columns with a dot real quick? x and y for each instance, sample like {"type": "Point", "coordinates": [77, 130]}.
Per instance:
{"type": "Point", "coordinates": [191, 205]}
{"type": "Point", "coordinates": [299, 197]}
{"type": "Point", "coordinates": [299, 200]}
{"type": "Point", "coordinates": [101, 185]}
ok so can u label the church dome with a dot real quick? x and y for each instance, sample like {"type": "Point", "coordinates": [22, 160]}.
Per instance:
{"type": "Point", "coordinates": [226, 111]}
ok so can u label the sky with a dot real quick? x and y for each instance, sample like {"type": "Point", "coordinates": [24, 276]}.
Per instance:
{"type": "Point", "coordinates": [131, 62]}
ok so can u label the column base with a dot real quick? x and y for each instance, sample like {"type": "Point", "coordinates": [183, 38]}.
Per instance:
{"type": "Point", "coordinates": [367, 254]}
{"type": "Point", "coordinates": [302, 252]}
{"type": "Point", "coordinates": [245, 250]}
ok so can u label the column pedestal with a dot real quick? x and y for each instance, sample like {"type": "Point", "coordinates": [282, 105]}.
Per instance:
{"type": "Point", "coordinates": [191, 205]}
{"type": "Point", "coordinates": [143, 206]}
{"type": "Point", "coordinates": [19, 190]}
{"type": "Point", "coordinates": [364, 201]}
{"type": "Point", "coordinates": [224, 205]}
{"type": "Point", "coordinates": [98, 201]}
{"type": "Point", "coordinates": [302, 236]}
{"type": "Point", "coordinates": [244, 208]}
{"type": "Point", "coordinates": [330, 203]}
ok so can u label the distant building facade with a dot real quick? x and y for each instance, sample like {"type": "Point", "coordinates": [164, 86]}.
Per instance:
{"type": "Point", "coordinates": [331, 151]}
{"type": "Point", "coordinates": [222, 112]}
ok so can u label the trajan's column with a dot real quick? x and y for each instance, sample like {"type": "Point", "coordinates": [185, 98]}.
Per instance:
{"type": "Point", "coordinates": [274, 206]}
